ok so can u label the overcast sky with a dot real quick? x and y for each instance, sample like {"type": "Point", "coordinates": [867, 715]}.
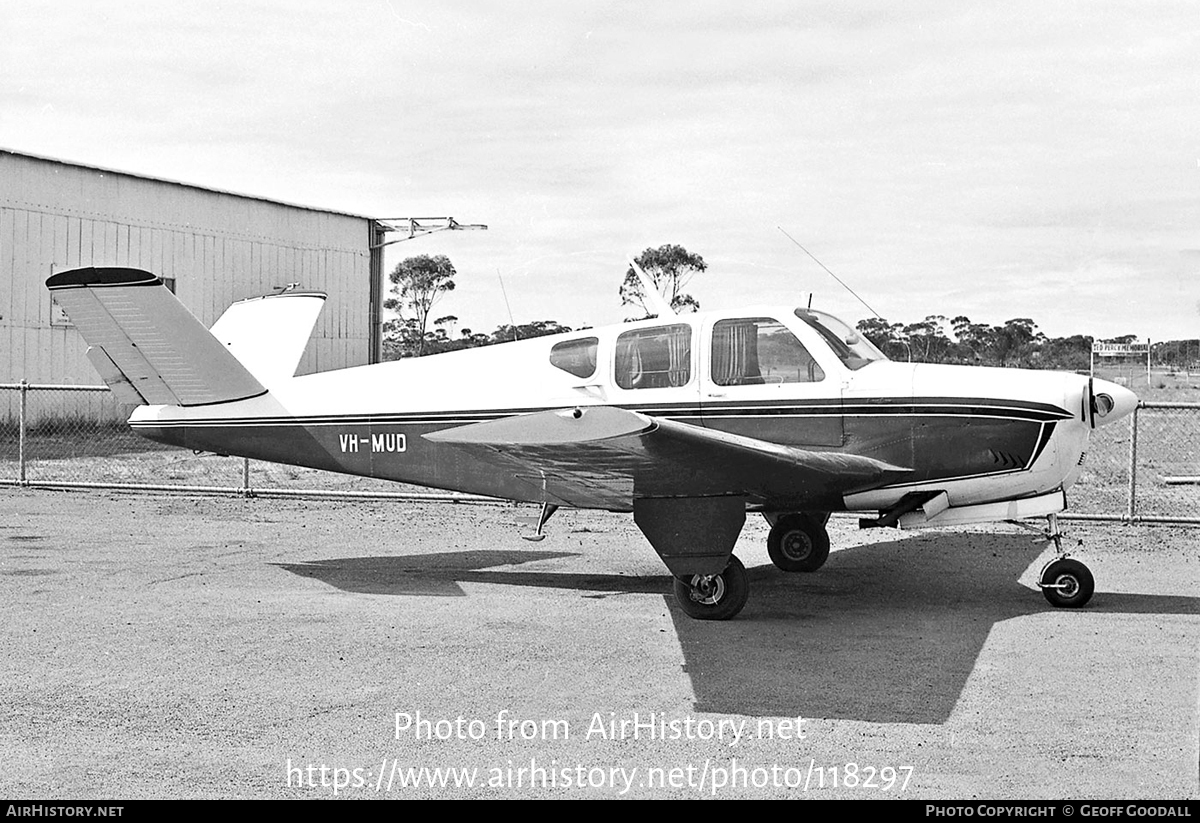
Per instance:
{"type": "Point", "coordinates": [1033, 159]}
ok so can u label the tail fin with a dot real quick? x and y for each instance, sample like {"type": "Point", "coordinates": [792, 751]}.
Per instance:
{"type": "Point", "coordinates": [146, 345]}
{"type": "Point", "coordinates": [268, 334]}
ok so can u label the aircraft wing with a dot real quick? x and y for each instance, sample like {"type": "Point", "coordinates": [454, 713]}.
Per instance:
{"type": "Point", "coordinates": [603, 456]}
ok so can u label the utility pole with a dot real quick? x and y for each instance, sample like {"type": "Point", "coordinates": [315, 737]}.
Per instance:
{"type": "Point", "coordinates": [410, 228]}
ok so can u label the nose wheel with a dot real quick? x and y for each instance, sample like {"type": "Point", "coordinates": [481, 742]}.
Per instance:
{"type": "Point", "coordinates": [1065, 582]}
{"type": "Point", "coordinates": [714, 596]}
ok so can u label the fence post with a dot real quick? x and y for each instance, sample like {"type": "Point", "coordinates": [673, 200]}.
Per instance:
{"type": "Point", "coordinates": [21, 433]}
{"type": "Point", "coordinates": [245, 477]}
{"type": "Point", "coordinates": [1133, 434]}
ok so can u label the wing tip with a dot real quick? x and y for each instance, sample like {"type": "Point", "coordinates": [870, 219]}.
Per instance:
{"type": "Point", "coordinates": [101, 276]}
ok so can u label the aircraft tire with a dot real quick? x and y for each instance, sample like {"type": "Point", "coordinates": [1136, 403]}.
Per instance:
{"type": "Point", "coordinates": [1075, 581]}
{"type": "Point", "coordinates": [798, 543]}
{"type": "Point", "coordinates": [720, 597]}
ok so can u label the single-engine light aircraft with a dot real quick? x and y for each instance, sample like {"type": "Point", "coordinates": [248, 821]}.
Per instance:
{"type": "Point", "coordinates": [689, 422]}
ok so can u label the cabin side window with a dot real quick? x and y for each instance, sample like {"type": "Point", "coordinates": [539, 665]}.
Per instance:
{"type": "Point", "coordinates": [756, 350]}
{"type": "Point", "coordinates": [654, 358]}
{"type": "Point", "coordinates": [576, 356]}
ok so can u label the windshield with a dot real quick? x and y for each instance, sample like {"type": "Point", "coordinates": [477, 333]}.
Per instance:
{"type": "Point", "coordinates": [851, 347]}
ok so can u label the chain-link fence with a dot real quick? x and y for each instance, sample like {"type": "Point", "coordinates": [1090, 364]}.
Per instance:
{"type": "Point", "coordinates": [76, 436]}
{"type": "Point", "coordinates": [1146, 468]}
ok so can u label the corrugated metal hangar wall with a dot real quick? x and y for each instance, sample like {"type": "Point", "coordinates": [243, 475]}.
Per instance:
{"type": "Point", "coordinates": [214, 248]}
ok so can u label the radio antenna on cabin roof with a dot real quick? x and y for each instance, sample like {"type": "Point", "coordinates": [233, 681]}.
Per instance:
{"type": "Point", "coordinates": [831, 274]}
{"type": "Point", "coordinates": [512, 324]}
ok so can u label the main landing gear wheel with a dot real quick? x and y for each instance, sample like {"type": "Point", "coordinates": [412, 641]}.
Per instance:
{"type": "Point", "coordinates": [714, 596]}
{"type": "Point", "coordinates": [1067, 583]}
{"type": "Point", "coordinates": [798, 543]}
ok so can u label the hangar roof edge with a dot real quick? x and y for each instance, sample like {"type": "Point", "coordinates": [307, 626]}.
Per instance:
{"type": "Point", "coordinates": [60, 161]}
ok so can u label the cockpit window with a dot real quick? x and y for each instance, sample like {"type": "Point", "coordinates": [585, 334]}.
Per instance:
{"type": "Point", "coordinates": [654, 358]}
{"type": "Point", "coordinates": [576, 356]}
{"type": "Point", "coordinates": [851, 347]}
{"type": "Point", "coordinates": [755, 350]}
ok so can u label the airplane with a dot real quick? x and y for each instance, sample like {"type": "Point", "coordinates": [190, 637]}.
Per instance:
{"type": "Point", "coordinates": [688, 421]}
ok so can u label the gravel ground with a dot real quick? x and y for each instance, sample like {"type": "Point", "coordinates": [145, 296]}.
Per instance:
{"type": "Point", "coordinates": [198, 647]}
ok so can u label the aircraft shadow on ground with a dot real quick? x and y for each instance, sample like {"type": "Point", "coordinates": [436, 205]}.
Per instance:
{"type": "Point", "coordinates": [885, 633]}
{"type": "Point", "coordinates": [441, 574]}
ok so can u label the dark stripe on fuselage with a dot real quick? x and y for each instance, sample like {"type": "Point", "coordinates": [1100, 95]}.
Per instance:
{"type": "Point", "coordinates": [933, 407]}
{"type": "Point", "coordinates": [1043, 441]}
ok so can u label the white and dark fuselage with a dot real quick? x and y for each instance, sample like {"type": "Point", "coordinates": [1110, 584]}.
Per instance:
{"type": "Point", "coordinates": [775, 375]}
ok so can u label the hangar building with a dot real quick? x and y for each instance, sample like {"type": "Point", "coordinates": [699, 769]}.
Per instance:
{"type": "Point", "coordinates": [211, 247]}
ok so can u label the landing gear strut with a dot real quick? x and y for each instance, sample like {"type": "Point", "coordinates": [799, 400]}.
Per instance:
{"type": "Point", "coordinates": [798, 543]}
{"type": "Point", "coordinates": [714, 596]}
{"type": "Point", "coordinates": [1066, 583]}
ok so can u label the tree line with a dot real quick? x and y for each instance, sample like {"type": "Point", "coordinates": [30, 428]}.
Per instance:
{"type": "Point", "coordinates": [419, 283]}
{"type": "Point", "coordinates": [1016, 344]}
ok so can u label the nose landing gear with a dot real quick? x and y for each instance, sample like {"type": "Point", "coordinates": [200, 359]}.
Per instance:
{"type": "Point", "coordinates": [1065, 582]}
